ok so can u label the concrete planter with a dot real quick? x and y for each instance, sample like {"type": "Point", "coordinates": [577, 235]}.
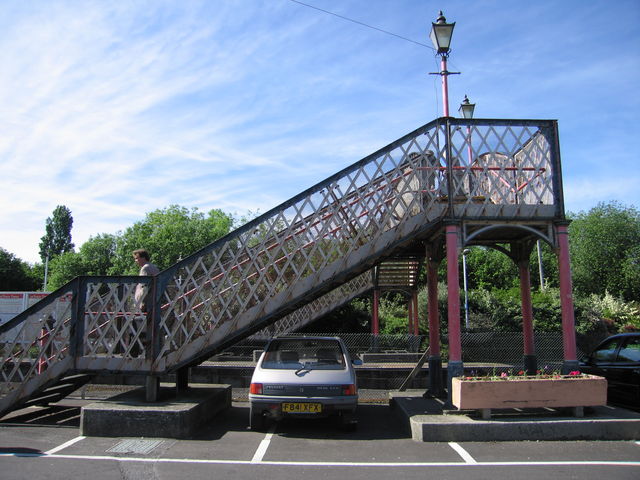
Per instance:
{"type": "Point", "coordinates": [529, 392]}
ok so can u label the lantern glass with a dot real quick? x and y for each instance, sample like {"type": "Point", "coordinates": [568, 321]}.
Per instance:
{"type": "Point", "coordinates": [441, 33]}
{"type": "Point", "coordinates": [467, 108]}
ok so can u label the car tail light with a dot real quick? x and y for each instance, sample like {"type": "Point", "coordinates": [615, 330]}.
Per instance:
{"type": "Point", "coordinates": [349, 389]}
{"type": "Point", "coordinates": [256, 388]}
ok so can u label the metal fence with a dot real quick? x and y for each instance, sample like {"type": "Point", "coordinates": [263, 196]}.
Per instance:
{"type": "Point", "coordinates": [389, 359]}
{"type": "Point", "coordinates": [477, 347]}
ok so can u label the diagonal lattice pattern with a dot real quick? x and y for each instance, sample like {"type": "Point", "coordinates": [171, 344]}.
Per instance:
{"type": "Point", "coordinates": [319, 307]}
{"type": "Point", "coordinates": [40, 341]}
{"type": "Point", "coordinates": [291, 255]}
{"type": "Point", "coordinates": [114, 324]}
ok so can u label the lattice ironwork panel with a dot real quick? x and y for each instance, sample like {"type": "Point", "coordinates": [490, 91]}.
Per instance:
{"type": "Point", "coordinates": [503, 170]}
{"type": "Point", "coordinates": [492, 165]}
{"type": "Point", "coordinates": [319, 307]}
{"type": "Point", "coordinates": [115, 324]}
{"type": "Point", "coordinates": [33, 346]}
{"type": "Point", "coordinates": [300, 241]}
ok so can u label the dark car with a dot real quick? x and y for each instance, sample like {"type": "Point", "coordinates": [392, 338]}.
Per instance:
{"type": "Point", "coordinates": [617, 358]}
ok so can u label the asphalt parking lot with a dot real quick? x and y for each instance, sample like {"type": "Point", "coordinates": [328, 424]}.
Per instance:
{"type": "Point", "coordinates": [44, 443]}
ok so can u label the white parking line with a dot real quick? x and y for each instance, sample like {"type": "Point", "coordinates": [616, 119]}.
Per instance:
{"type": "Point", "coordinates": [330, 464]}
{"type": "Point", "coordinates": [462, 452]}
{"type": "Point", "coordinates": [264, 445]}
{"type": "Point", "coordinates": [64, 445]}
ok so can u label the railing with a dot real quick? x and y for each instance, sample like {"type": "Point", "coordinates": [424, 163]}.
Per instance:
{"type": "Point", "coordinates": [291, 255]}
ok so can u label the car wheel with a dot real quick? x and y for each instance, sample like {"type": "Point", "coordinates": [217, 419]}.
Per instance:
{"type": "Point", "coordinates": [256, 419]}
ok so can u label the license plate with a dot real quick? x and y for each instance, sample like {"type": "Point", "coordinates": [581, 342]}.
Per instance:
{"type": "Point", "coordinates": [302, 407]}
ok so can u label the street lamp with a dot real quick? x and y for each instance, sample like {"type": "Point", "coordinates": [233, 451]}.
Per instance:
{"type": "Point", "coordinates": [466, 108]}
{"type": "Point", "coordinates": [441, 33]}
{"type": "Point", "coordinates": [466, 293]}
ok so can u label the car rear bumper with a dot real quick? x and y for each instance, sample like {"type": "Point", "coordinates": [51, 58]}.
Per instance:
{"type": "Point", "coordinates": [272, 405]}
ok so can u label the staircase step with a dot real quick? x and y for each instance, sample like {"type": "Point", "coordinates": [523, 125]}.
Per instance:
{"type": "Point", "coordinates": [59, 391]}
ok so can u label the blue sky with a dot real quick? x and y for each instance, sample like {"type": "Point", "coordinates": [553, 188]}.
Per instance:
{"type": "Point", "coordinates": [116, 109]}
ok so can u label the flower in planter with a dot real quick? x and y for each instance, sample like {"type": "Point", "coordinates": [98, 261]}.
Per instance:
{"type": "Point", "coordinates": [522, 375]}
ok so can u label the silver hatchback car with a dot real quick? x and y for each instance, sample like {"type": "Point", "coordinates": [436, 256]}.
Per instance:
{"type": "Point", "coordinates": [303, 377]}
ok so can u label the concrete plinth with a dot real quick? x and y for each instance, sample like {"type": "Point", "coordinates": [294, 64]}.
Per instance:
{"type": "Point", "coordinates": [428, 422]}
{"type": "Point", "coordinates": [172, 416]}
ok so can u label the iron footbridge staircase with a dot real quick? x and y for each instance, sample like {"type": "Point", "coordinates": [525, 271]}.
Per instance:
{"type": "Point", "coordinates": [308, 255]}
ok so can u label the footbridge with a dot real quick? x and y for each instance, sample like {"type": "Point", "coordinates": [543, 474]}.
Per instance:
{"type": "Point", "coordinates": [448, 184]}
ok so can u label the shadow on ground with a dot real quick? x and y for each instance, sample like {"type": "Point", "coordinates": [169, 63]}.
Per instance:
{"type": "Point", "coordinates": [375, 422]}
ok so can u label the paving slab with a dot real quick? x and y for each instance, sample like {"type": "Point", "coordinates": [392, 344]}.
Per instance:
{"type": "Point", "coordinates": [429, 421]}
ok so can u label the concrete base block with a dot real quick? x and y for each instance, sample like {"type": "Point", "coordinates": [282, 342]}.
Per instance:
{"type": "Point", "coordinates": [172, 416]}
{"type": "Point", "coordinates": [429, 423]}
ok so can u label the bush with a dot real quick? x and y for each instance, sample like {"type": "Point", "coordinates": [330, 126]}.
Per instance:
{"type": "Point", "coordinates": [617, 315]}
{"type": "Point", "coordinates": [393, 313]}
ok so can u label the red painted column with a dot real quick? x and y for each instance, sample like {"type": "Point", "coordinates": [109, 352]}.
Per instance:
{"type": "Point", "coordinates": [410, 315]}
{"type": "Point", "coordinates": [432, 299]}
{"type": "Point", "coordinates": [566, 299]}
{"type": "Point", "coordinates": [527, 308]}
{"type": "Point", "coordinates": [436, 386]}
{"type": "Point", "coordinates": [416, 318]}
{"type": "Point", "coordinates": [375, 323]}
{"type": "Point", "coordinates": [445, 86]}
{"type": "Point", "coordinates": [530, 360]}
{"type": "Point", "coordinates": [453, 289]}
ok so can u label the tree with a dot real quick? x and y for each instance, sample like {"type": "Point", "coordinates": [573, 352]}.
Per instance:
{"type": "Point", "coordinates": [488, 268]}
{"type": "Point", "coordinates": [15, 274]}
{"type": "Point", "coordinates": [63, 268]}
{"type": "Point", "coordinates": [169, 234]}
{"type": "Point", "coordinates": [97, 254]}
{"type": "Point", "coordinates": [94, 258]}
{"type": "Point", "coordinates": [604, 251]}
{"type": "Point", "coordinates": [57, 238]}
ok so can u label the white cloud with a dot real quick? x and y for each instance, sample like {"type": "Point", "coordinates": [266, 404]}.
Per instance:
{"type": "Point", "coordinates": [115, 109]}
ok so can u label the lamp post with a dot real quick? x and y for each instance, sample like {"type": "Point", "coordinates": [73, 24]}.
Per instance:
{"type": "Point", "coordinates": [540, 267]}
{"type": "Point", "coordinates": [441, 33]}
{"type": "Point", "coordinates": [46, 272]}
{"type": "Point", "coordinates": [466, 293]}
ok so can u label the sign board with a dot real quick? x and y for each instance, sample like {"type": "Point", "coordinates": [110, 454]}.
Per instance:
{"type": "Point", "coordinates": [14, 303]}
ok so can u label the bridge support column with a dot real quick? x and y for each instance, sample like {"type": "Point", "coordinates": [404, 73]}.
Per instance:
{"type": "Point", "coordinates": [566, 301]}
{"type": "Point", "coordinates": [455, 367]}
{"type": "Point", "coordinates": [152, 388]}
{"type": "Point", "coordinates": [412, 314]}
{"type": "Point", "coordinates": [410, 326]}
{"type": "Point", "coordinates": [530, 359]}
{"type": "Point", "coordinates": [414, 310]}
{"type": "Point", "coordinates": [375, 320]}
{"type": "Point", "coordinates": [435, 360]}
{"type": "Point", "coordinates": [182, 379]}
